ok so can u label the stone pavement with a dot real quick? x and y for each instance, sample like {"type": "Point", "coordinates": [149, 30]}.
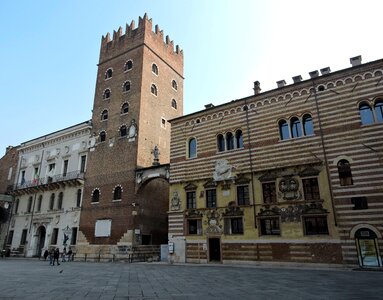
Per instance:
{"type": "Point", "coordinates": [34, 279]}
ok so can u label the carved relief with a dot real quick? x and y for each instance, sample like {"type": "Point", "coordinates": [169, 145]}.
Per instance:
{"type": "Point", "coordinates": [213, 222]}
{"type": "Point", "coordinates": [175, 201]}
{"type": "Point", "coordinates": [289, 189]}
{"type": "Point", "coordinates": [222, 170]}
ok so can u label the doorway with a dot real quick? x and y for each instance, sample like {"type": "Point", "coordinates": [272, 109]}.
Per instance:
{"type": "Point", "coordinates": [41, 233]}
{"type": "Point", "coordinates": [367, 247]}
{"type": "Point", "coordinates": [215, 249]}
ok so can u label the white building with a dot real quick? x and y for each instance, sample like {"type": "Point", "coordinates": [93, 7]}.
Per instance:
{"type": "Point", "coordinates": [48, 191]}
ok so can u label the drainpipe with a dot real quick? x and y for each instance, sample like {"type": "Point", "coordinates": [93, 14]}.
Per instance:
{"type": "Point", "coordinates": [324, 153]}
{"type": "Point", "coordinates": [251, 163]}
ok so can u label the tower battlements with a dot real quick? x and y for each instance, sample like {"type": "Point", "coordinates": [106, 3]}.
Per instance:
{"type": "Point", "coordinates": [135, 36]}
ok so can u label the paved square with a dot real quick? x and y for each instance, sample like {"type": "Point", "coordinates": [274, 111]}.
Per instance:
{"type": "Point", "coordinates": [34, 279]}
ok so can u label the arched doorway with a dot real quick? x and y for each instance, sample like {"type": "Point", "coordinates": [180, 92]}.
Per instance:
{"type": "Point", "coordinates": [41, 233]}
{"type": "Point", "coordinates": [367, 247]}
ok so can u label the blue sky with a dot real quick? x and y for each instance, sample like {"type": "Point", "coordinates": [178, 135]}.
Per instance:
{"type": "Point", "coordinates": [49, 50]}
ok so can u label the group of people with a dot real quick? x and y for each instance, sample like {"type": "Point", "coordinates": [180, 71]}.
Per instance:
{"type": "Point", "coordinates": [54, 255]}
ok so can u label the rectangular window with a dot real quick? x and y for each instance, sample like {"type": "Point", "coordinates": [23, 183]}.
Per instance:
{"type": "Point", "coordinates": [194, 226]}
{"type": "Point", "coordinates": [65, 169]}
{"type": "Point", "coordinates": [269, 192]}
{"type": "Point", "coordinates": [82, 165]}
{"type": "Point", "coordinates": [23, 240]}
{"type": "Point", "coordinates": [29, 208]}
{"type": "Point", "coordinates": [39, 203]}
{"type": "Point", "coordinates": [78, 200]}
{"type": "Point", "coordinates": [74, 236]}
{"type": "Point", "coordinates": [55, 235]}
{"type": "Point", "coordinates": [211, 198]}
{"type": "Point", "coordinates": [359, 202]}
{"type": "Point", "coordinates": [243, 194]}
{"type": "Point", "coordinates": [163, 123]}
{"type": "Point", "coordinates": [270, 226]}
{"type": "Point", "coordinates": [191, 200]}
{"type": "Point", "coordinates": [22, 180]}
{"type": "Point", "coordinates": [233, 225]}
{"type": "Point", "coordinates": [315, 225]}
{"type": "Point", "coordinates": [10, 237]}
{"type": "Point", "coordinates": [311, 189]}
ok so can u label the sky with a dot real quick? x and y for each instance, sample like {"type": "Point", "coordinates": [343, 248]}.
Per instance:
{"type": "Point", "coordinates": [49, 50]}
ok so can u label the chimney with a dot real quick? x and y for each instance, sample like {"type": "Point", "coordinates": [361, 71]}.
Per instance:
{"type": "Point", "coordinates": [356, 61]}
{"type": "Point", "coordinates": [257, 87]}
{"type": "Point", "coordinates": [281, 83]}
{"type": "Point", "coordinates": [325, 71]}
{"type": "Point", "coordinates": [297, 78]}
{"type": "Point", "coordinates": [210, 105]}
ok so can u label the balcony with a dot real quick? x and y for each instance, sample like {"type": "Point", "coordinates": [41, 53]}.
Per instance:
{"type": "Point", "coordinates": [49, 183]}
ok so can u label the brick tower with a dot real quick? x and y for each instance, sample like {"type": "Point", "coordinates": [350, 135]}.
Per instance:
{"type": "Point", "coordinates": [139, 87]}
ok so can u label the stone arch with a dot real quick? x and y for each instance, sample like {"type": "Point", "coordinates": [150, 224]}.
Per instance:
{"type": "Point", "coordinates": [340, 157]}
{"type": "Point", "coordinates": [368, 226]}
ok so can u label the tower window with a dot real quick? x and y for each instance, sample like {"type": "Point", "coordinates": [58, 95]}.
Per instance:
{"type": "Point", "coordinates": [153, 89]}
{"type": "Point", "coordinates": [283, 130]}
{"type": "Point", "coordinates": [379, 110]}
{"type": "Point", "coordinates": [96, 195]}
{"type": "Point", "coordinates": [102, 136]}
{"type": "Point", "coordinates": [229, 141]}
{"type": "Point", "coordinates": [220, 143]}
{"type": "Point", "coordinates": [308, 125]}
{"type": "Point", "coordinates": [126, 86]}
{"type": "Point", "coordinates": [123, 130]}
{"type": "Point", "coordinates": [108, 73]}
{"type": "Point", "coordinates": [238, 139]}
{"type": "Point", "coordinates": [155, 69]}
{"type": "Point", "coordinates": [106, 94]}
{"type": "Point", "coordinates": [104, 115]}
{"type": "Point", "coordinates": [296, 128]}
{"type": "Point", "coordinates": [117, 193]}
{"type": "Point", "coordinates": [344, 171]}
{"type": "Point", "coordinates": [163, 123]}
{"type": "Point", "coordinates": [128, 65]}
{"type": "Point", "coordinates": [174, 85]}
{"type": "Point", "coordinates": [124, 108]}
{"type": "Point", "coordinates": [192, 148]}
{"type": "Point", "coordinates": [174, 103]}
{"type": "Point", "coordinates": [366, 115]}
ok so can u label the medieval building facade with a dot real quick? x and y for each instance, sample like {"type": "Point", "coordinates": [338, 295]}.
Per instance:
{"type": "Point", "coordinates": [139, 87]}
{"type": "Point", "coordinates": [48, 191]}
{"type": "Point", "coordinates": [292, 174]}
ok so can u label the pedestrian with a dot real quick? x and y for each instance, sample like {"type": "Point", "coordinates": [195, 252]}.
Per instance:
{"type": "Point", "coordinates": [56, 256]}
{"type": "Point", "coordinates": [46, 253]}
{"type": "Point", "coordinates": [51, 254]}
{"type": "Point", "coordinates": [70, 254]}
{"type": "Point", "coordinates": [63, 255]}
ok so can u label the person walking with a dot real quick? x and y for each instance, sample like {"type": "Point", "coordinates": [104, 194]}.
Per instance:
{"type": "Point", "coordinates": [51, 254]}
{"type": "Point", "coordinates": [56, 256]}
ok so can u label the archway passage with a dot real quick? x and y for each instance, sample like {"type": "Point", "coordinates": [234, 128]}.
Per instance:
{"type": "Point", "coordinates": [41, 233]}
{"type": "Point", "coordinates": [367, 247]}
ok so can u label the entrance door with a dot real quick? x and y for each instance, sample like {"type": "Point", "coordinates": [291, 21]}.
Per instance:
{"type": "Point", "coordinates": [41, 240]}
{"type": "Point", "coordinates": [214, 249]}
{"type": "Point", "coordinates": [367, 246]}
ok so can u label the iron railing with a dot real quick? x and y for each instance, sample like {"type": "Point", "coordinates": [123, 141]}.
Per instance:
{"type": "Point", "coordinates": [49, 179]}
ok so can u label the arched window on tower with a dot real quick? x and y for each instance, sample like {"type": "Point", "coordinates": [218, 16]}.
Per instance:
{"type": "Point", "coordinates": [308, 125]}
{"type": "Point", "coordinates": [125, 108]}
{"type": "Point", "coordinates": [220, 143]}
{"type": "Point", "coordinates": [296, 128]}
{"type": "Point", "coordinates": [102, 136]}
{"type": "Point", "coordinates": [126, 86]}
{"type": "Point", "coordinates": [108, 73]}
{"type": "Point", "coordinates": [238, 139]}
{"type": "Point", "coordinates": [117, 193]}
{"type": "Point", "coordinates": [155, 69]}
{"type": "Point", "coordinates": [229, 141]}
{"type": "Point", "coordinates": [153, 89]}
{"type": "Point", "coordinates": [379, 110]}
{"type": "Point", "coordinates": [128, 65]}
{"type": "Point", "coordinates": [283, 130]}
{"type": "Point", "coordinates": [174, 85]}
{"type": "Point", "coordinates": [104, 115]}
{"type": "Point", "coordinates": [106, 94]}
{"type": "Point", "coordinates": [366, 115]}
{"type": "Point", "coordinates": [192, 148]}
{"type": "Point", "coordinates": [174, 103]}
{"type": "Point", "coordinates": [123, 130]}
{"type": "Point", "coordinates": [344, 171]}
{"type": "Point", "coordinates": [96, 195]}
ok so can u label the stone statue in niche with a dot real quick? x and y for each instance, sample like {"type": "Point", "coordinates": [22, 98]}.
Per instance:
{"type": "Point", "coordinates": [289, 189]}
{"type": "Point", "coordinates": [132, 130]}
{"type": "Point", "coordinates": [175, 201]}
{"type": "Point", "coordinates": [155, 153]}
